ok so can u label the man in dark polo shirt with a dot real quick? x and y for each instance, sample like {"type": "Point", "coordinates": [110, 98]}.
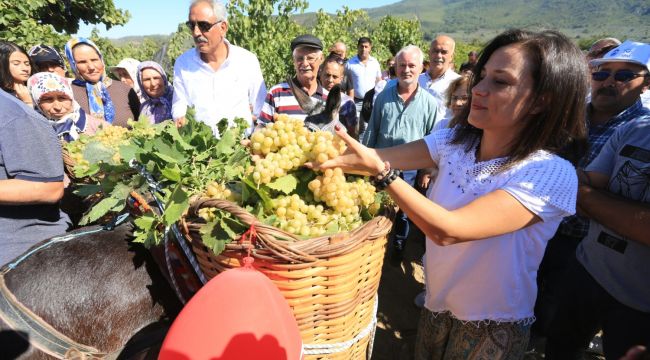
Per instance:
{"type": "Point", "coordinates": [31, 179]}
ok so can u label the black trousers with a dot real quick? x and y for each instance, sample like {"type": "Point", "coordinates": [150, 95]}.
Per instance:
{"type": "Point", "coordinates": [583, 309]}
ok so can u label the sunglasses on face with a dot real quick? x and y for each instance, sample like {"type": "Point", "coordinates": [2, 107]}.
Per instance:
{"type": "Point", "coordinates": [204, 26]}
{"type": "Point", "coordinates": [620, 76]}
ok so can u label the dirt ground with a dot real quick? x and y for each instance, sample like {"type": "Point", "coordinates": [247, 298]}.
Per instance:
{"type": "Point", "coordinates": [397, 314]}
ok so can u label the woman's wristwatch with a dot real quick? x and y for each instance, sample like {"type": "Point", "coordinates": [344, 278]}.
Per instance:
{"type": "Point", "coordinates": [385, 177]}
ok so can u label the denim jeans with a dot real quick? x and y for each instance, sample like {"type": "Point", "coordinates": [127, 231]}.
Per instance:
{"type": "Point", "coordinates": [401, 227]}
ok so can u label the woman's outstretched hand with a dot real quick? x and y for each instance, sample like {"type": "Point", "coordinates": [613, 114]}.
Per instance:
{"type": "Point", "coordinates": [357, 159]}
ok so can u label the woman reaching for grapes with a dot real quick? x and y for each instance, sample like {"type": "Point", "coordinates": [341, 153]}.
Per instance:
{"type": "Point", "coordinates": [501, 193]}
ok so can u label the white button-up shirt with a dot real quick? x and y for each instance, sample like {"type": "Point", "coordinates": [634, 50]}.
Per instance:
{"type": "Point", "coordinates": [229, 92]}
{"type": "Point", "coordinates": [438, 88]}
{"type": "Point", "coordinates": [364, 76]}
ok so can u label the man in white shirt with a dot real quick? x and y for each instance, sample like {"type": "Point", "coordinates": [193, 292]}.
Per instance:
{"type": "Point", "coordinates": [441, 73]}
{"type": "Point", "coordinates": [218, 79]}
{"type": "Point", "coordinates": [364, 70]}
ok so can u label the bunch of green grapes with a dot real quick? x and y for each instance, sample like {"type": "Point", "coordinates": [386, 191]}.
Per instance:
{"type": "Point", "coordinates": [218, 191]}
{"type": "Point", "coordinates": [75, 149]}
{"type": "Point", "coordinates": [146, 132]}
{"type": "Point", "coordinates": [346, 198]}
{"type": "Point", "coordinates": [297, 217]}
{"type": "Point", "coordinates": [286, 144]}
{"type": "Point", "coordinates": [113, 137]}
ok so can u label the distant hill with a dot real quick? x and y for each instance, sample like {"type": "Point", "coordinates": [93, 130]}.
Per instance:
{"type": "Point", "coordinates": [478, 20]}
{"type": "Point", "coordinates": [469, 20]}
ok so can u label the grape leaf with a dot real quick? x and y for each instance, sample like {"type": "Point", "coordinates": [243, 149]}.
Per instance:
{"type": "Point", "coordinates": [84, 190]}
{"type": "Point", "coordinates": [178, 202]}
{"type": "Point", "coordinates": [127, 152]}
{"type": "Point", "coordinates": [172, 173]}
{"type": "Point", "coordinates": [226, 143]}
{"type": "Point", "coordinates": [101, 209]}
{"type": "Point", "coordinates": [214, 237]}
{"type": "Point", "coordinates": [177, 138]}
{"type": "Point", "coordinates": [95, 152]}
{"type": "Point", "coordinates": [285, 184]}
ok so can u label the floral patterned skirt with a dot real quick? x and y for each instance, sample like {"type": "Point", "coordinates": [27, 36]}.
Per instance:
{"type": "Point", "coordinates": [442, 336]}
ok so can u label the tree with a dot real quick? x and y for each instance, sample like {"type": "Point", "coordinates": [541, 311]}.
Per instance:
{"type": "Point", "coordinates": [392, 33]}
{"type": "Point", "coordinates": [30, 22]}
{"type": "Point", "coordinates": [346, 26]}
{"type": "Point", "coordinates": [254, 26]}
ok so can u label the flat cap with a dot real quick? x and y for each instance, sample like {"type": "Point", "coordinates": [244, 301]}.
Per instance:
{"type": "Point", "coordinates": [308, 41]}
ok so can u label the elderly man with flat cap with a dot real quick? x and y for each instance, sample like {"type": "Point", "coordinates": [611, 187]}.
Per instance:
{"type": "Point", "coordinates": [301, 95]}
{"type": "Point", "coordinates": [220, 80]}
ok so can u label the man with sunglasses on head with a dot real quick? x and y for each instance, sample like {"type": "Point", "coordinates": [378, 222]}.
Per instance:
{"type": "Point", "coordinates": [218, 79]}
{"type": "Point", "coordinates": [302, 94]}
{"type": "Point", "coordinates": [332, 73]}
{"type": "Point", "coordinates": [617, 81]}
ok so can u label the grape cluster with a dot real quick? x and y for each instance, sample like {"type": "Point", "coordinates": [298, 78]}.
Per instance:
{"type": "Point", "coordinates": [111, 137]}
{"type": "Point", "coordinates": [286, 145]}
{"type": "Point", "coordinates": [344, 197]}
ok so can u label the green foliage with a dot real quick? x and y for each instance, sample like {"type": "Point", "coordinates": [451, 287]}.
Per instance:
{"type": "Point", "coordinates": [346, 26]}
{"type": "Point", "coordinates": [392, 33]}
{"type": "Point", "coordinates": [254, 26]}
{"type": "Point", "coordinates": [143, 50]}
{"type": "Point", "coordinates": [30, 22]}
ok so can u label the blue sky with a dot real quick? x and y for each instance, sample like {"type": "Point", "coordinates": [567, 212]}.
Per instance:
{"type": "Point", "coordinates": [150, 17]}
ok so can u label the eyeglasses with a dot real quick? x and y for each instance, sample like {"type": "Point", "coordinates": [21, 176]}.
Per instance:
{"type": "Point", "coordinates": [335, 58]}
{"type": "Point", "coordinates": [620, 76]}
{"type": "Point", "coordinates": [309, 58]}
{"type": "Point", "coordinates": [204, 26]}
{"type": "Point", "coordinates": [459, 98]}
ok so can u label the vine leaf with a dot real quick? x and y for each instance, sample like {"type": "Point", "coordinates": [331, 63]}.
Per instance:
{"type": "Point", "coordinates": [285, 184]}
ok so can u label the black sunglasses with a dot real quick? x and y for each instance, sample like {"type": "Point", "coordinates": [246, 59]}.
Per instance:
{"type": "Point", "coordinates": [204, 26]}
{"type": "Point", "coordinates": [620, 76]}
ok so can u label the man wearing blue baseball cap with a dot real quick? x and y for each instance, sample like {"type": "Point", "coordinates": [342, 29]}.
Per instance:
{"type": "Point", "coordinates": [607, 282]}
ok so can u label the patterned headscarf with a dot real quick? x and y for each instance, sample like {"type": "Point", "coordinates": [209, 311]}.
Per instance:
{"type": "Point", "coordinates": [99, 101]}
{"type": "Point", "coordinates": [70, 125]}
{"type": "Point", "coordinates": [158, 109]}
{"type": "Point", "coordinates": [131, 67]}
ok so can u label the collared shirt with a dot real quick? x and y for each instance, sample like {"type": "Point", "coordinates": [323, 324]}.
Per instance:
{"type": "Point", "coordinates": [229, 92]}
{"type": "Point", "coordinates": [364, 76]}
{"type": "Point", "coordinates": [280, 100]}
{"type": "Point", "coordinates": [393, 122]}
{"type": "Point", "coordinates": [578, 226]}
{"type": "Point", "coordinates": [438, 88]}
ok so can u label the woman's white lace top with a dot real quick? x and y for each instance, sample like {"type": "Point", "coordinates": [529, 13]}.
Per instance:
{"type": "Point", "coordinates": [494, 278]}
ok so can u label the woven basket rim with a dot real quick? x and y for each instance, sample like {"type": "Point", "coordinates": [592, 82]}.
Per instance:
{"type": "Point", "coordinates": [273, 242]}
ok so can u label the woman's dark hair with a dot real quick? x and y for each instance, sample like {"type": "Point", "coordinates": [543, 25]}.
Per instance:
{"type": "Point", "coordinates": [6, 49]}
{"type": "Point", "coordinates": [560, 85]}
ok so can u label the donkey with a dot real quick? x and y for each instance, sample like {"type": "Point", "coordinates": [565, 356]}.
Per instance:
{"type": "Point", "coordinates": [99, 290]}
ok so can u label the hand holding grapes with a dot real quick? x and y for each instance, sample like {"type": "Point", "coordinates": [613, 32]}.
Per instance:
{"type": "Point", "coordinates": [357, 159]}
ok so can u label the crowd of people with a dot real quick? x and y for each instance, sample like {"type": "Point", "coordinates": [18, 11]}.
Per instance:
{"type": "Point", "coordinates": [528, 170]}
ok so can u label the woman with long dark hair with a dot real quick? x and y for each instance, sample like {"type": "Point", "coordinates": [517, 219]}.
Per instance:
{"type": "Point", "coordinates": [500, 194]}
{"type": "Point", "coordinates": [15, 68]}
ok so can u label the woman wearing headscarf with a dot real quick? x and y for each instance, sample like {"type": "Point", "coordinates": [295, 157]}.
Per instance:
{"type": "Point", "coordinates": [53, 97]}
{"type": "Point", "coordinates": [15, 68]}
{"type": "Point", "coordinates": [95, 92]}
{"type": "Point", "coordinates": [126, 71]}
{"type": "Point", "coordinates": [156, 90]}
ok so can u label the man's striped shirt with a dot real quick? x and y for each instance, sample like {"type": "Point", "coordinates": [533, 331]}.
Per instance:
{"type": "Point", "coordinates": [280, 100]}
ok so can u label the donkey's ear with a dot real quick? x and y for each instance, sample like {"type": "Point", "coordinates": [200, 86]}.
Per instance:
{"type": "Point", "coordinates": [333, 101]}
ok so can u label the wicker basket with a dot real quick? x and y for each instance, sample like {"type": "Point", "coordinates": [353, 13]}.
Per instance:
{"type": "Point", "coordinates": [329, 282]}
{"type": "Point", "coordinates": [68, 163]}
